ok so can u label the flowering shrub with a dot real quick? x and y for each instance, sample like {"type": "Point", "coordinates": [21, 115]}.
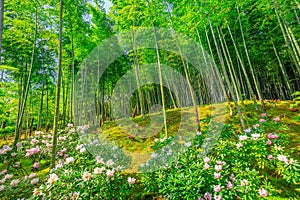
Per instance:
{"type": "Point", "coordinates": [239, 166]}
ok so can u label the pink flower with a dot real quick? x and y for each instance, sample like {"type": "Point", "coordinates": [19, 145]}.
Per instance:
{"type": "Point", "coordinates": [3, 172]}
{"type": "Point", "coordinates": [110, 173]}
{"type": "Point", "coordinates": [272, 136]}
{"type": "Point", "coordinates": [131, 180]}
{"type": "Point", "coordinates": [262, 192]}
{"type": "Point", "coordinates": [217, 188]}
{"type": "Point", "coordinates": [36, 165]}
{"type": "Point", "coordinates": [218, 197]}
{"type": "Point", "coordinates": [277, 119]}
{"type": "Point", "coordinates": [270, 157]}
{"type": "Point", "coordinates": [18, 145]}
{"type": "Point", "coordinates": [32, 175]}
{"type": "Point", "coordinates": [34, 181]}
{"type": "Point", "coordinates": [206, 166]}
{"type": "Point", "coordinates": [70, 125]}
{"type": "Point", "coordinates": [32, 151]}
{"type": "Point", "coordinates": [243, 137]}
{"type": "Point", "coordinates": [262, 120]}
{"type": "Point", "coordinates": [229, 185]}
{"type": "Point", "coordinates": [269, 142]}
{"type": "Point", "coordinates": [256, 126]}
{"type": "Point", "coordinates": [33, 141]}
{"type": "Point", "coordinates": [199, 133]}
{"type": "Point", "coordinates": [2, 187]}
{"type": "Point", "coordinates": [218, 162]}
{"type": "Point", "coordinates": [218, 167]}
{"type": "Point", "coordinates": [14, 182]}
{"type": "Point", "coordinates": [239, 145]}
{"type": "Point", "coordinates": [283, 158]}
{"type": "Point", "coordinates": [62, 138]}
{"type": "Point", "coordinates": [206, 159]}
{"type": "Point", "coordinates": [264, 114]}
{"type": "Point", "coordinates": [217, 175]}
{"type": "Point", "coordinates": [8, 176]}
{"type": "Point", "coordinates": [207, 196]}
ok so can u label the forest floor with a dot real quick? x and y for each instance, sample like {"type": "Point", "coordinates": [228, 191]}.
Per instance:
{"type": "Point", "coordinates": [290, 118]}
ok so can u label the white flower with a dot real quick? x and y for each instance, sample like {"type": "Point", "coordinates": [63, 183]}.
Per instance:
{"type": "Point", "coordinates": [69, 160]}
{"type": "Point", "coordinates": [53, 178]}
{"type": "Point", "coordinates": [110, 162]}
{"type": "Point", "coordinates": [156, 140]}
{"type": "Point", "coordinates": [218, 167]}
{"type": "Point", "coordinates": [206, 159]}
{"type": "Point", "coordinates": [244, 182]}
{"type": "Point", "coordinates": [255, 136]}
{"type": "Point", "coordinates": [248, 130]}
{"type": "Point", "coordinates": [98, 170]}
{"type": "Point", "coordinates": [59, 165]}
{"type": "Point", "coordinates": [115, 148]}
{"type": "Point", "coordinates": [131, 180]}
{"type": "Point", "coordinates": [74, 195]}
{"type": "Point", "coordinates": [110, 173]}
{"type": "Point", "coordinates": [82, 150]}
{"type": "Point", "coordinates": [37, 192]}
{"type": "Point", "coordinates": [34, 181]}
{"type": "Point", "coordinates": [243, 137]}
{"type": "Point", "coordinates": [188, 144]}
{"type": "Point", "coordinates": [87, 176]}
{"type": "Point", "coordinates": [2, 187]}
{"type": "Point", "coordinates": [239, 145]}
{"type": "Point", "coordinates": [99, 160]}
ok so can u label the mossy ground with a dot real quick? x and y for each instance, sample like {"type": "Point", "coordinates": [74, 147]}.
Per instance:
{"type": "Point", "coordinates": [120, 136]}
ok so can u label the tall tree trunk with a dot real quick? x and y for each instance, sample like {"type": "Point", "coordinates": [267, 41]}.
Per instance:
{"type": "Point", "coordinates": [41, 107]}
{"type": "Point", "coordinates": [137, 74]}
{"type": "Point", "coordinates": [160, 82]}
{"type": "Point", "coordinates": [243, 68]}
{"type": "Point", "coordinates": [250, 64]}
{"type": "Point", "coordinates": [225, 74]}
{"type": "Point", "coordinates": [286, 78]}
{"type": "Point", "coordinates": [1, 33]}
{"type": "Point", "coordinates": [57, 95]}
{"type": "Point", "coordinates": [73, 79]}
{"type": "Point", "coordinates": [20, 116]}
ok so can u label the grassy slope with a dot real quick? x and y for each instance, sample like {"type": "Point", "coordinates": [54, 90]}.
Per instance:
{"type": "Point", "coordinates": [274, 109]}
{"type": "Point", "coordinates": [135, 145]}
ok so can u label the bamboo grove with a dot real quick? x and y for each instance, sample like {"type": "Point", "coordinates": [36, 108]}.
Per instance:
{"type": "Point", "coordinates": [254, 44]}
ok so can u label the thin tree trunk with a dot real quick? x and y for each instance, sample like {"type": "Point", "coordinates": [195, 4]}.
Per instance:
{"type": "Point", "coordinates": [1, 33]}
{"type": "Point", "coordinates": [57, 95]}
{"type": "Point", "coordinates": [160, 82]}
{"type": "Point", "coordinates": [41, 107]}
{"type": "Point", "coordinates": [250, 64]}
{"type": "Point", "coordinates": [286, 78]}
{"type": "Point", "coordinates": [225, 74]}
{"type": "Point", "coordinates": [20, 116]}
{"type": "Point", "coordinates": [243, 68]}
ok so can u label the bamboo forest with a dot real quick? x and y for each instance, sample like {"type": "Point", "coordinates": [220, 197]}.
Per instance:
{"type": "Point", "coordinates": [149, 99]}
